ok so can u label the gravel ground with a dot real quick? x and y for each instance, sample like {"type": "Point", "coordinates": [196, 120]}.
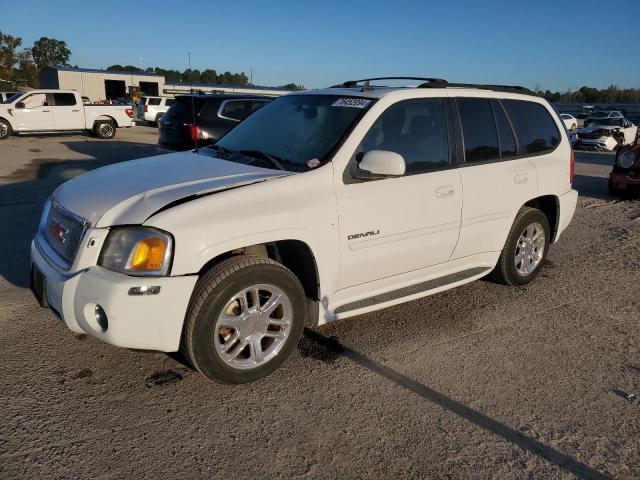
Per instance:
{"type": "Point", "coordinates": [482, 381]}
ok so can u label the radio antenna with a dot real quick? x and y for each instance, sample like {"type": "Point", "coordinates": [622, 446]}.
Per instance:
{"type": "Point", "coordinates": [194, 129]}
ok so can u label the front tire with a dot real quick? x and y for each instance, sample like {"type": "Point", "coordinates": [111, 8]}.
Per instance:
{"type": "Point", "coordinates": [525, 250]}
{"type": "Point", "coordinates": [244, 319]}
{"type": "Point", "coordinates": [5, 129]}
{"type": "Point", "coordinates": [104, 129]}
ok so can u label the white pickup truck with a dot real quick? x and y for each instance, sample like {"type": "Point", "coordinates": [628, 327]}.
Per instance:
{"type": "Point", "coordinates": [61, 110]}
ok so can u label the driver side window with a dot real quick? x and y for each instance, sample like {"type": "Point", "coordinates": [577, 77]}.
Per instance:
{"type": "Point", "coordinates": [416, 129]}
{"type": "Point", "coordinates": [36, 100]}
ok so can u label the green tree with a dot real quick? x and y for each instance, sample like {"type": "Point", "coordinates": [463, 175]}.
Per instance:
{"type": "Point", "coordinates": [191, 75]}
{"type": "Point", "coordinates": [291, 86]}
{"type": "Point", "coordinates": [27, 71]}
{"type": "Point", "coordinates": [8, 56]}
{"type": "Point", "coordinates": [209, 76]}
{"type": "Point", "coordinates": [49, 52]}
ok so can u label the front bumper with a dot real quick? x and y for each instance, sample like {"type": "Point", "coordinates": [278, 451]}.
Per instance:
{"type": "Point", "coordinates": [628, 181]}
{"type": "Point", "coordinates": [149, 322]}
{"type": "Point", "coordinates": [602, 144]}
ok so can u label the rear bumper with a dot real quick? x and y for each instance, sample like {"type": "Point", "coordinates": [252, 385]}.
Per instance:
{"type": "Point", "coordinates": [566, 209]}
{"type": "Point", "coordinates": [150, 322]}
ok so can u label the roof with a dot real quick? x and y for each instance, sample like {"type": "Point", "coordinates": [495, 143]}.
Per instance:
{"type": "Point", "coordinates": [108, 72]}
{"type": "Point", "coordinates": [223, 85]}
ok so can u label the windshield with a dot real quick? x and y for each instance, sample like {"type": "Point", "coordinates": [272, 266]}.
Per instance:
{"type": "Point", "coordinates": [300, 131]}
{"type": "Point", "coordinates": [12, 97]}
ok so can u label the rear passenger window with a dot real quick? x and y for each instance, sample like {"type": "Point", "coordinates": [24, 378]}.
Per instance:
{"type": "Point", "coordinates": [64, 99]}
{"type": "Point", "coordinates": [478, 130]}
{"type": "Point", "coordinates": [534, 125]}
{"type": "Point", "coordinates": [505, 132]}
{"type": "Point", "coordinates": [256, 104]}
{"type": "Point", "coordinates": [170, 101]}
{"type": "Point", "coordinates": [153, 101]}
{"type": "Point", "coordinates": [235, 109]}
{"type": "Point", "coordinates": [416, 129]}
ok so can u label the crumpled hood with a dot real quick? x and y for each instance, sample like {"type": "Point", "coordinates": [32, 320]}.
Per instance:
{"type": "Point", "coordinates": [594, 127]}
{"type": "Point", "coordinates": [130, 192]}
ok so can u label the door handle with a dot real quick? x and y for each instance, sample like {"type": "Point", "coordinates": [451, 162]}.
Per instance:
{"type": "Point", "coordinates": [75, 110]}
{"type": "Point", "coordinates": [46, 111]}
{"type": "Point", "coordinates": [521, 178]}
{"type": "Point", "coordinates": [445, 191]}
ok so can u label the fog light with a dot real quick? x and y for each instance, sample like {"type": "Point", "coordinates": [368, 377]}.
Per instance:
{"type": "Point", "coordinates": [101, 318]}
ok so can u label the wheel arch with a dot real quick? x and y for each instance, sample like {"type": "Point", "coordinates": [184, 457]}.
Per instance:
{"type": "Point", "coordinates": [8, 121]}
{"type": "Point", "coordinates": [550, 206]}
{"type": "Point", "coordinates": [102, 118]}
{"type": "Point", "coordinates": [294, 254]}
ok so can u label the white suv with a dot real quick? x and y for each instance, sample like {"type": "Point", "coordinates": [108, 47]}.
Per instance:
{"type": "Point", "coordinates": [152, 109]}
{"type": "Point", "coordinates": [319, 206]}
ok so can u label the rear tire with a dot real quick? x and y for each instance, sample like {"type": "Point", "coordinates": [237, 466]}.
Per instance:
{"type": "Point", "coordinates": [232, 333]}
{"type": "Point", "coordinates": [5, 129]}
{"type": "Point", "coordinates": [104, 129]}
{"type": "Point", "coordinates": [524, 242]}
{"type": "Point", "coordinates": [615, 191]}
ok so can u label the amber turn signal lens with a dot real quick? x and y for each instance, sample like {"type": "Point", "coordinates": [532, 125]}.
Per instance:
{"type": "Point", "coordinates": [148, 254]}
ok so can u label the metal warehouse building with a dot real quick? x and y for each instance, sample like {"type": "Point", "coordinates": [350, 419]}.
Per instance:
{"type": "Point", "coordinates": [107, 85]}
{"type": "Point", "coordinates": [100, 84]}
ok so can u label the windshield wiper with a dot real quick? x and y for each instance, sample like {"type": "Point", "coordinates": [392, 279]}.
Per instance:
{"type": "Point", "coordinates": [255, 154]}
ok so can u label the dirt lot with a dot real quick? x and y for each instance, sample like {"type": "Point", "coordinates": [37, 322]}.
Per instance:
{"type": "Point", "coordinates": [483, 381]}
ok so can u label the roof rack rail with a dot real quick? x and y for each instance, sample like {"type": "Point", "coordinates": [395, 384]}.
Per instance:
{"type": "Point", "coordinates": [427, 82]}
{"type": "Point", "coordinates": [497, 88]}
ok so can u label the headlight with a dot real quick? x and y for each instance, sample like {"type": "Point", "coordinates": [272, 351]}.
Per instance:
{"type": "Point", "coordinates": [137, 251]}
{"type": "Point", "coordinates": [627, 159]}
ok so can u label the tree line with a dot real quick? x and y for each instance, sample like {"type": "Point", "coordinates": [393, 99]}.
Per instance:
{"type": "Point", "coordinates": [588, 95]}
{"type": "Point", "coordinates": [19, 66]}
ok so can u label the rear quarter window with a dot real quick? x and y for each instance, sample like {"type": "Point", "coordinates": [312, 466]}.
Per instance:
{"type": "Point", "coordinates": [154, 101]}
{"type": "Point", "coordinates": [534, 125]}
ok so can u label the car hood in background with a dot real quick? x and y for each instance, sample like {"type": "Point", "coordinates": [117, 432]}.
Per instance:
{"type": "Point", "coordinates": [130, 192]}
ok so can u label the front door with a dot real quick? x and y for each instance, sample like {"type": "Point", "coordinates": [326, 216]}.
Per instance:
{"type": "Point", "coordinates": [392, 226]}
{"type": "Point", "coordinates": [36, 114]}
{"type": "Point", "coordinates": [67, 114]}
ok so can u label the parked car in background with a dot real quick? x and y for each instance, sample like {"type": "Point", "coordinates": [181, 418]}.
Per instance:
{"type": "Point", "coordinates": [570, 122]}
{"type": "Point", "coordinates": [319, 206]}
{"type": "Point", "coordinates": [624, 179]}
{"type": "Point", "coordinates": [152, 109]}
{"type": "Point", "coordinates": [606, 134]}
{"type": "Point", "coordinates": [201, 119]}
{"type": "Point", "coordinates": [4, 96]}
{"type": "Point", "coordinates": [602, 114]}
{"type": "Point", "coordinates": [40, 111]}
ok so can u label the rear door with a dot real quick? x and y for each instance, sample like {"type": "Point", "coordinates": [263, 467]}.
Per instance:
{"type": "Point", "coordinates": [67, 113]}
{"type": "Point", "coordinates": [36, 114]}
{"type": "Point", "coordinates": [497, 177]}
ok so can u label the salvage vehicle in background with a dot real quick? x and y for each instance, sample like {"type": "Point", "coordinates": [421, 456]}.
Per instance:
{"type": "Point", "coordinates": [201, 119]}
{"type": "Point", "coordinates": [624, 178]}
{"type": "Point", "coordinates": [606, 134]}
{"type": "Point", "coordinates": [46, 111]}
{"type": "Point", "coordinates": [319, 206]}
{"type": "Point", "coordinates": [151, 109]}
{"type": "Point", "coordinates": [570, 122]}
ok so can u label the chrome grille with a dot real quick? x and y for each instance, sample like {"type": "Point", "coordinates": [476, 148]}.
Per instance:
{"type": "Point", "coordinates": [64, 232]}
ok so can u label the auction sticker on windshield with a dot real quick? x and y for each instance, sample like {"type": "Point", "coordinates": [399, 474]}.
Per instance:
{"type": "Point", "coordinates": [351, 102]}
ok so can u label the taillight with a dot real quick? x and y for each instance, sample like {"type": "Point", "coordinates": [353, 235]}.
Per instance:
{"type": "Point", "coordinates": [129, 112]}
{"type": "Point", "coordinates": [194, 131]}
{"type": "Point", "coordinates": [146, 109]}
{"type": "Point", "coordinates": [572, 166]}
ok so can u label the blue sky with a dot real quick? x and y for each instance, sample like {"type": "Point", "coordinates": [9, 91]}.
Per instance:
{"type": "Point", "coordinates": [555, 44]}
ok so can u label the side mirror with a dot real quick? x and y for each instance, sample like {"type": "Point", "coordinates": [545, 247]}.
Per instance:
{"type": "Point", "coordinates": [20, 105]}
{"type": "Point", "coordinates": [380, 164]}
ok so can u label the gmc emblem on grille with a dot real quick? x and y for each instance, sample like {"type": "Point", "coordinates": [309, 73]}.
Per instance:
{"type": "Point", "coordinates": [58, 231]}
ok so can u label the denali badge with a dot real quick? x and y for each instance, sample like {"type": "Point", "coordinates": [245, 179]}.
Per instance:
{"type": "Point", "coordinates": [363, 234]}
